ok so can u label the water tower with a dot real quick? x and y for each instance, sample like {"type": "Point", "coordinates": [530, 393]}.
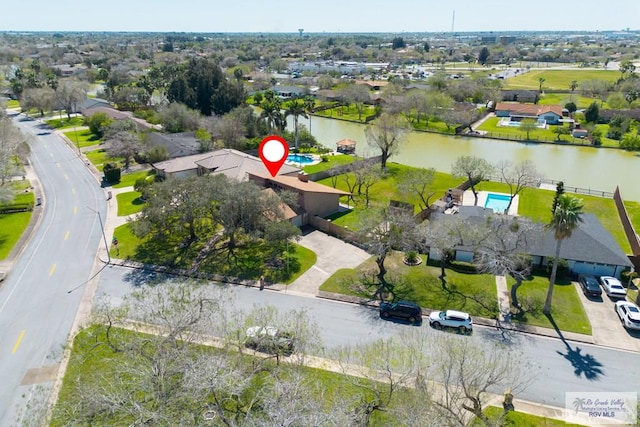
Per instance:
{"type": "Point", "coordinates": [300, 30]}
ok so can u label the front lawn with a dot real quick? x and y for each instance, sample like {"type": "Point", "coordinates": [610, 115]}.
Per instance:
{"type": "Point", "coordinates": [473, 293]}
{"type": "Point", "coordinates": [566, 309]}
{"type": "Point", "coordinates": [129, 203]}
{"type": "Point", "coordinates": [64, 123]}
{"type": "Point", "coordinates": [83, 138]}
{"type": "Point", "coordinates": [129, 179]}
{"type": "Point", "coordinates": [249, 261]}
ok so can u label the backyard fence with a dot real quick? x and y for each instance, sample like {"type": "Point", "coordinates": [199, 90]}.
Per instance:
{"type": "Point", "coordinates": [579, 190]}
{"type": "Point", "coordinates": [629, 231]}
{"type": "Point", "coordinates": [339, 170]}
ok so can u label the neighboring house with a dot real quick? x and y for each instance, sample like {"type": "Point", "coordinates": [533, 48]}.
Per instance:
{"type": "Point", "coordinates": [590, 250]}
{"type": "Point", "coordinates": [552, 114]}
{"type": "Point", "coordinates": [520, 95]}
{"type": "Point", "coordinates": [177, 144]}
{"type": "Point", "coordinates": [373, 84]}
{"type": "Point", "coordinates": [91, 106]}
{"type": "Point", "coordinates": [288, 92]}
{"type": "Point", "coordinates": [314, 199]}
{"type": "Point", "coordinates": [234, 164]}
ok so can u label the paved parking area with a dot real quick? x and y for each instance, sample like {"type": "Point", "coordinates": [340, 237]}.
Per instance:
{"type": "Point", "coordinates": [607, 330]}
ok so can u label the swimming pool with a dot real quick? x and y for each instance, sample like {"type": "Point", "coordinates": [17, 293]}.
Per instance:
{"type": "Point", "coordinates": [497, 202]}
{"type": "Point", "coordinates": [300, 158]}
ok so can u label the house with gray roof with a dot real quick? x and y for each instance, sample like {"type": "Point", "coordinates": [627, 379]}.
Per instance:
{"type": "Point", "coordinates": [177, 144]}
{"type": "Point", "coordinates": [591, 249]}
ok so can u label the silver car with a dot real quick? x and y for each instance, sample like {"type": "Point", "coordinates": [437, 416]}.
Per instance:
{"type": "Point", "coordinates": [451, 319]}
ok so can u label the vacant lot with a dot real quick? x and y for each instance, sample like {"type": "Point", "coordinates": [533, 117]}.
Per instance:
{"type": "Point", "coordinates": [559, 79]}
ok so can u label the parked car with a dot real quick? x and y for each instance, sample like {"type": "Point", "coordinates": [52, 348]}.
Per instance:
{"type": "Point", "coordinates": [269, 339]}
{"type": "Point", "coordinates": [405, 310]}
{"type": "Point", "coordinates": [451, 319]}
{"type": "Point", "coordinates": [613, 287]}
{"type": "Point", "coordinates": [629, 314]}
{"type": "Point", "coordinates": [590, 286]}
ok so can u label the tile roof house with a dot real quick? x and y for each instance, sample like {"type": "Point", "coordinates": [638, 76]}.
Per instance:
{"type": "Point", "coordinates": [313, 198]}
{"type": "Point", "coordinates": [233, 163]}
{"type": "Point", "coordinates": [520, 95]}
{"type": "Point", "coordinates": [550, 113]}
{"type": "Point", "coordinates": [590, 250]}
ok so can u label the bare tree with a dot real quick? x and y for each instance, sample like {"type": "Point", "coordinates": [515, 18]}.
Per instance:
{"type": "Point", "coordinates": [41, 99]}
{"type": "Point", "coordinates": [470, 371]}
{"type": "Point", "coordinates": [386, 134]}
{"type": "Point", "coordinates": [69, 94]}
{"type": "Point", "coordinates": [474, 169]}
{"type": "Point", "coordinates": [11, 145]}
{"type": "Point", "coordinates": [503, 249]}
{"type": "Point", "coordinates": [122, 140]}
{"type": "Point", "coordinates": [385, 230]}
{"type": "Point", "coordinates": [357, 94]}
{"type": "Point", "coordinates": [518, 177]}
{"type": "Point", "coordinates": [418, 183]}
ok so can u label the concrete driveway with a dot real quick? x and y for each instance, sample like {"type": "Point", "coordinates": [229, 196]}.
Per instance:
{"type": "Point", "coordinates": [333, 254]}
{"type": "Point", "coordinates": [607, 330]}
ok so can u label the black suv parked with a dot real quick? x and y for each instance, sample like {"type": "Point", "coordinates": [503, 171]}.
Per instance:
{"type": "Point", "coordinates": [590, 286]}
{"type": "Point", "coordinates": [406, 310]}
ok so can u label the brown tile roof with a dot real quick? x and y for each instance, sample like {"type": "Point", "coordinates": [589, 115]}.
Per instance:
{"type": "Point", "coordinates": [345, 142]}
{"type": "Point", "coordinates": [295, 183]}
{"type": "Point", "coordinates": [287, 212]}
{"type": "Point", "coordinates": [529, 109]}
{"type": "Point", "coordinates": [232, 163]}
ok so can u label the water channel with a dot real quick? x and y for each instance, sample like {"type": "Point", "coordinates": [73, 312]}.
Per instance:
{"type": "Point", "coordinates": [578, 166]}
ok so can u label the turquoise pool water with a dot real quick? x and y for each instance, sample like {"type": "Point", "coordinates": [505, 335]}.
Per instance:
{"type": "Point", "coordinates": [497, 202]}
{"type": "Point", "coordinates": [299, 158]}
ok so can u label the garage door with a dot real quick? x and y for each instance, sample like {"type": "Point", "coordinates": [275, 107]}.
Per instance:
{"type": "Point", "coordinates": [594, 269]}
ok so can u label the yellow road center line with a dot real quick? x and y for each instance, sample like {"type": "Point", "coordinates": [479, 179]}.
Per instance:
{"type": "Point", "coordinates": [66, 177]}
{"type": "Point", "coordinates": [75, 210]}
{"type": "Point", "coordinates": [73, 190]}
{"type": "Point", "coordinates": [66, 236]}
{"type": "Point", "coordinates": [15, 347]}
{"type": "Point", "coordinates": [53, 268]}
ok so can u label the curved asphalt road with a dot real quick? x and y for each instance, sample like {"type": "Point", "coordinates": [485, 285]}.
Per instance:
{"type": "Point", "coordinates": [36, 309]}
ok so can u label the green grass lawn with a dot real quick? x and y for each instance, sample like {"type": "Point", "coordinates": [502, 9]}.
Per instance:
{"type": "Point", "coordinates": [83, 138]}
{"type": "Point", "coordinates": [129, 203]}
{"type": "Point", "coordinates": [564, 98]}
{"type": "Point", "coordinates": [12, 226]}
{"type": "Point", "coordinates": [332, 161]}
{"type": "Point", "coordinates": [347, 113]}
{"type": "Point", "coordinates": [567, 310]}
{"type": "Point", "coordinates": [13, 103]}
{"type": "Point", "coordinates": [100, 157]}
{"type": "Point", "coordinates": [64, 123]}
{"type": "Point", "coordinates": [248, 261]}
{"type": "Point", "coordinates": [559, 79]}
{"type": "Point", "coordinates": [473, 293]}
{"type": "Point", "coordinates": [385, 190]}
{"type": "Point", "coordinates": [129, 179]}
{"type": "Point", "coordinates": [520, 419]}
{"type": "Point", "coordinates": [633, 209]}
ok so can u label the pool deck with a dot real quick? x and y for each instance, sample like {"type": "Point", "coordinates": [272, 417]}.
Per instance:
{"type": "Point", "coordinates": [468, 200]}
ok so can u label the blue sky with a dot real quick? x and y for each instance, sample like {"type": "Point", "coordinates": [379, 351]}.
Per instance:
{"type": "Point", "coordinates": [316, 16]}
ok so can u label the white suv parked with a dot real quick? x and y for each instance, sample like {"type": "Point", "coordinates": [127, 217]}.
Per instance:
{"type": "Point", "coordinates": [613, 287]}
{"type": "Point", "coordinates": [451, 319]}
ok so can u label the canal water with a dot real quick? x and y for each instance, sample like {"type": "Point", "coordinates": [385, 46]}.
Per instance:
{"type": "Point", "coordinates": [578, 166]}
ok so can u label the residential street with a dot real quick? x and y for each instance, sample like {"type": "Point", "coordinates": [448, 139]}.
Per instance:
{"type": "Point", "coordinates": [36, 309]}
{"type": "Point", "coordinates": [563, 365]}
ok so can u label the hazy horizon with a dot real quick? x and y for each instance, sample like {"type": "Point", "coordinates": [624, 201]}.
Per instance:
{"type": "Point", "coordinates": [332, 16]}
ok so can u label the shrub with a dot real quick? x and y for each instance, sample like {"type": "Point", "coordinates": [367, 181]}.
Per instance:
{"type": "Point", "coordinates": [112, 173]}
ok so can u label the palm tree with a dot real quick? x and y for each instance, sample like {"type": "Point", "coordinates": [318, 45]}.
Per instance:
{"type": "Point", "coordinates": [296, 108]}
{"type": "Point", "coordinates": [271, 110]}
{"type": "Point", "coordinates": [566, 218]}
{"type": "Point", "coordinates": [573, 87]}
{"type": "Point", "coordinates": [309, 106]}
{"type": "Point", "coordinates": [540, 81]}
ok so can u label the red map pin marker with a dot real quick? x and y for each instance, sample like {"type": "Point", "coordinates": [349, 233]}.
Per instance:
{"type": "Point", "coordinates": [273, 152]}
